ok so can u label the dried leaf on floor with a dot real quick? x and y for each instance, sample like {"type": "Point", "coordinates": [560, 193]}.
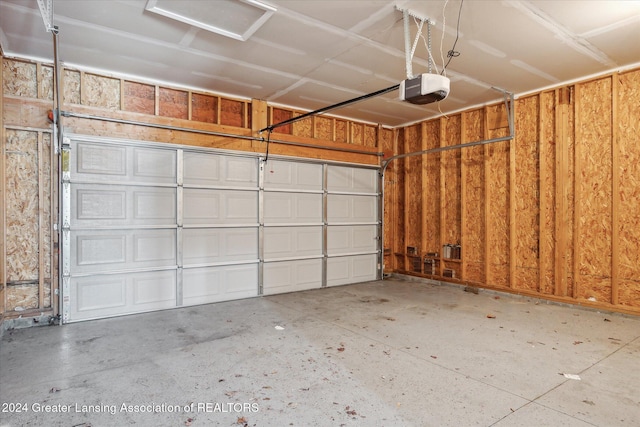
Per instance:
{"type": "Point", "coordinates": [54, 390]}
{"type": "Point", "coordinates": [188, 422]}
{"type": "Point", "coordinates": [491, 316]}
{"type": "Point", "coordinates": [577, 342]}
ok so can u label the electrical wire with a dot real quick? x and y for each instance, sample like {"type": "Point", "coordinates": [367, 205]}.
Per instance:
{"type": "Point", "coordinates": [452, 52]}
{"type": "Point", "coordinates": [444, 27]}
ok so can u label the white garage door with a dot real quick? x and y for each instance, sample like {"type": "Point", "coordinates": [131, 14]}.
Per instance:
{"type": "Point", "coordinates": [155, 226]}
{"type": "Point", "coordinates": [352, 225]}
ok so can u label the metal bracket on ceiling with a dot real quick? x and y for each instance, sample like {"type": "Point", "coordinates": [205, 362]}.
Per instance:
{"type": "Point", "coordinates": [46, 10]}
{"type": "Point", "coordinates": [410, 50]}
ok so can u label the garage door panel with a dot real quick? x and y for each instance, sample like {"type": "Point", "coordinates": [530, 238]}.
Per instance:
{"type": "Point", "coordinates": [293, 176]}
{"type": "Point", "coordinates": [206, 246]}
{"type": "Point", "coordinates": [290, 276]}
{"type": "Point", "coordinates": [95, 162]}
{"type": "Point", "coordinates": [107, 205]}
{"type": "Point", "coordinates": [98, 161]}
{"type": "Point", "coordinates": [351, 239]}
{"type": "Point", "coordinates": [343, 208]}
{"type": "Point", "coordinates": [96, 251]}
{"type": "Point", "coordinates": [119, 294]}
{"type": "Point", "coordinates": [351, 269]}
{"type": "Point", "coordinates": [205, 206]}
{"type": "Point", "coordinates": [154, 165]}
{"type": "Point", "coordinates": [352, 180]}
{"type": "Point", "coordinates": [292, 208]}
{"type": "Point", "coordinates": [206, 169]}
{"type": "Point", "coordinates": [213, 284]}
{"type": "Point", "coordinates": [292, 242]}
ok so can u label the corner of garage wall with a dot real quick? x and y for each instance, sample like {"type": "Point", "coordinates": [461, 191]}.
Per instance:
{"type": "Point", "coordinates": [553, 213]}
{"type": "Point", "coordinates": [28, 189]}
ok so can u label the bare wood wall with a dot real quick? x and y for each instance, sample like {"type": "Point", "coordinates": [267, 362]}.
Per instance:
{"type": "Point", "coordinates": [554, 213]}
{"type": "Point", "coordinates": [29, 193]}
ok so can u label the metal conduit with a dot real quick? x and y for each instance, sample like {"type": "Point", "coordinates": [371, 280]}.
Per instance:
{"type": "Point", "coordinates": [508, 101]}
{"type": "Point", "coordinates": [212, 133]}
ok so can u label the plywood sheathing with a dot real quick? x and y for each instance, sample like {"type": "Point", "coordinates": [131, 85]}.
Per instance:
{"type": "Point", "coordinates": [386, 143]}
{"type": "Point", "coordinates": [413, 190]}
{"type": "Point", "coordinates": [173, 103]}
{"type": "Point", "coordinates": [628, 190]}
{"type": "Point", "coordinates": [526, 201]}
{"type": "Point", "coordinates": [303, 127]}
{"type": "Point", "coordinates": [233, 113]}
{"type": "Point", "coordinates": [99, 91]}
{"type": "Point", "coordinates": [45, 82]}
{"type": "Point", "coordinates": [473, 210]}
{"type": "Point", "coordinates": [450, 180]}
{"type": "Point", "coordinates": [547, 160]}
{"type": "Point", "coordinates": [19, 79]}
{"type": "Point", "coordinates": [357, 133]}
{"type": "Point", "coordinates": [342, 131]}
{"type": "Point", "coordinates": [71, 86]}
{"type": "Point", "coordinates": [431, 188]}
{"type": "Point", "coordinates": [278, 115]}
{"type": "Point", "coordinates": [139, 97]}
{"type": "Point", "coordinates": [204, 108]}
{"type": "Point", "coordinates": [497, 192]}
{"type": "Point", "coordinates": [400, 202]}
{"type": "Point", "coordinates": [324, 128]}
{"type": "Point", "coordinates": [22, 217]}
{"type": "Point", "coordinates": [593, 191]}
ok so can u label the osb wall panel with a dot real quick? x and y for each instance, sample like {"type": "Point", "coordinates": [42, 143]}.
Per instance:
{"type": "Point", "coordinates": [71, 86]}
{"type": "Point", "coordinates": [387, 146]}
{"type": "Point", "coordinates": [451, 164]}
{"type": "Point", "coordinates": [400, 201]}
{"type": "Point", "coordinates": [21, 205]}
{"type": "Point", "coordinates": [497, 198]}
{"type": "Point", "coordinates": [547, 192]}
{"type": "Point", "coordinates": [139, 98]}
{"type": "Point", "coordinates": [19, 78]}
{"type": "Point", "coordinates": [473, 209]}
{"type": "Point", "coordinates": [45, 83]}
{"type": "Point", "coordinates": [525, 191]}
{"type": "Point", "coordinates": [303, 127]}
{"type": "Point", "coordinates": [173, 103]}
{"type": "Point", "coordinates": [357, 133]}
{"type": "Point", "coordinates": [431, 202]}
{"type": "Point", "coordinates": [628, 133]}
{"type": "Point", "coordinates": [570, 200]}
{"type": "Point", "coordinates": [413, 182]}
{"type": "Point", "coordinates": [370, 136]}
{"type": "Point", "coordinates": [204, 108]}
{"type": "Point", "coordinates": [324, 128]}
{"type": "Point", "coordinates": [47, 218]}
{"type": "Point", "coordinates": [99, 91]}
{"type": "Point", "coordinates": [594, 192]}
{"type": "Point", "coordinates": [342, 131]}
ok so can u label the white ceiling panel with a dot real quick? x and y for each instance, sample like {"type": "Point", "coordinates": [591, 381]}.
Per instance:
{"type": "Point", "coordinates": [310, 54]}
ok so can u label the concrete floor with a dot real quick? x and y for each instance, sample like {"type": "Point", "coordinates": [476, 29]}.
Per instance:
{"type": "Point", "coordinates": [392, 353]}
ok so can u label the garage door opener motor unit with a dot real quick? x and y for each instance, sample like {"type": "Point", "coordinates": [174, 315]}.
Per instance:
{"type": "Point", "coordinates": [424, 89]}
